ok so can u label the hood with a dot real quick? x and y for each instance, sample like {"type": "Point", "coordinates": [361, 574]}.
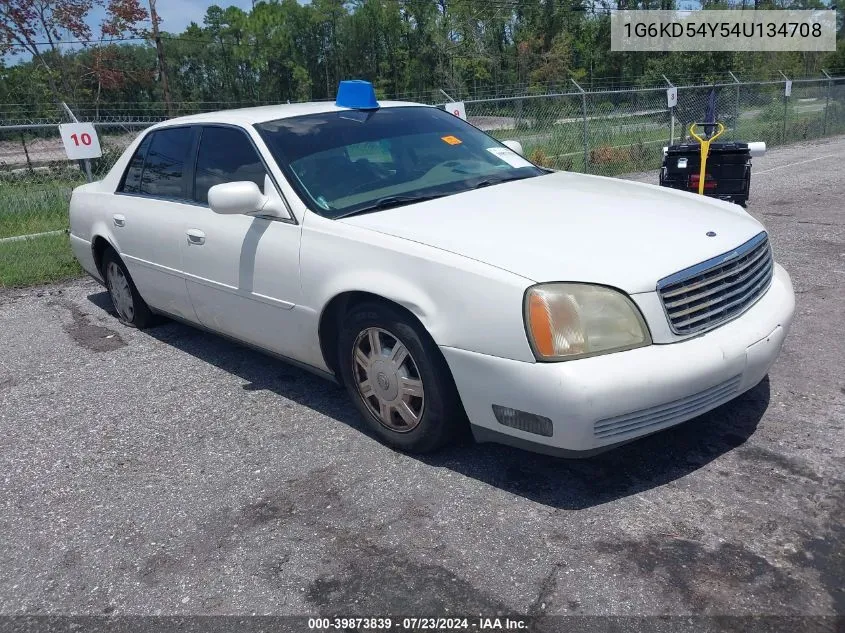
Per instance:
{"type": "Point", "coordinates": [572, 227]}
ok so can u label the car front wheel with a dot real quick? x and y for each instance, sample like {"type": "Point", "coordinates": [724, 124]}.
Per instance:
{"type": "Point", "coordinates": [398, 379]}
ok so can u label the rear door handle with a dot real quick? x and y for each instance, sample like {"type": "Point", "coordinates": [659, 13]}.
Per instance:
{"type": "Point", "coordinates": [195, 236]}
{"type": "Point", "coordinates": [119, 220]}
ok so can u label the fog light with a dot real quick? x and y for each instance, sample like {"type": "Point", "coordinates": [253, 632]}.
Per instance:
{"type": "Point", "coordinates": [522, 420]}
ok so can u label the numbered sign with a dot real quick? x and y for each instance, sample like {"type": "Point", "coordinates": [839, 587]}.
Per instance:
{"type": "Point", "coordinates": [672, 97]}
{"type": "Point", "coordinates": [80, 140]}
{"type": "Point", "coordinates": [787, 91]}
{"type": "Point", "coordinates": [457, 109]}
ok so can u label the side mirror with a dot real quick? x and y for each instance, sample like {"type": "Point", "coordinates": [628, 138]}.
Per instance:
{"type": "Point", "coordinates": [515, 146]}
{"type": "Point", "coordinates": [245, 198]}
{"type": "Point", "coordinates": [235, 198]}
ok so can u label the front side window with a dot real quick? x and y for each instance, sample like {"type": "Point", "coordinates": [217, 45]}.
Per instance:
{"type": "Point", "coordinates": [346, 162]}
{"type": "Point", "coordinates": [225, 155]}
{"type": "Point", "coordinates": [164, 166]}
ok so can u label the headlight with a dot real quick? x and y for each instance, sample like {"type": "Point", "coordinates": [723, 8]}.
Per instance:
{"type": "Point", "coordinates": [572, 320]}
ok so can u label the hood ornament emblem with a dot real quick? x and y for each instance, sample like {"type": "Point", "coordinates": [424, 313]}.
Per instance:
{"type": "Point", "coordinates": [711, 233]}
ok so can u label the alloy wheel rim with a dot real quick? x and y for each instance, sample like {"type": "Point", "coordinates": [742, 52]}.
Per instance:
{"type": "Point", "coordinates": [121, 293]}
{"type": "Point", "coordinates": [388, 380]}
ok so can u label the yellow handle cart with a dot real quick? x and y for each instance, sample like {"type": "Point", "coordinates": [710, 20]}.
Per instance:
{"type": "Point", "coordinates": [705, 149]}
{"type": "Point", "coordinates": [717, 170]}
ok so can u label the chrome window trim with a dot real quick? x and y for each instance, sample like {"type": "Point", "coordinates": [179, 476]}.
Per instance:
{"type": "Point", "coordinates": [193, 161]}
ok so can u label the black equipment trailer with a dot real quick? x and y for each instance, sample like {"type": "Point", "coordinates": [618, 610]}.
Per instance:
{"type": "Point", "coordinates": [727, 170]}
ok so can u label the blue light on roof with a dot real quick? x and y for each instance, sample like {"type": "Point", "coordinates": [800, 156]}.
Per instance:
{"type": "Point", "coordinates": [356, 93]}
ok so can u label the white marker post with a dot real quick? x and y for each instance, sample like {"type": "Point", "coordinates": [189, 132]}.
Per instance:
{"type": "Point", "coordinates": [671, 102]}
{"type": "Point", "coordinates": [787, 92]}
{"type": "Point", "coordinates": [457, 108]}
{"type": "Point", "coordinates": [80, 141]}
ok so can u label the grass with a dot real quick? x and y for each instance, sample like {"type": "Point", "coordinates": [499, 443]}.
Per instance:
{"type": "Point", "coordinates": [37, 261]}
{"type": "Point", "coordinates": [32, 207]}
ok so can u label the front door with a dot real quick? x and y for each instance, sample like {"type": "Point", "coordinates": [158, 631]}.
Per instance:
{"type": "Point", "coordinates": [242, 272]}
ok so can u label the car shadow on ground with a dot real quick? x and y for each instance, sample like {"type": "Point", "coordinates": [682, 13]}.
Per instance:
{"type": "Point", "coordinates": [641, 465]}
{"type": "Point", "coordinates": [562, 483]}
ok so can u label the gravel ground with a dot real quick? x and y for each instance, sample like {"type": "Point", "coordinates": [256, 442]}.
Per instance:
{"type": "Point", "coordinates": [172, 472]}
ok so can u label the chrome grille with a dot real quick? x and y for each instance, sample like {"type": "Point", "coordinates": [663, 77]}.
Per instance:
{"type": "Point", "coordinates": [668, 414]}
{"type": "Point", "coordinates": [712, 292]}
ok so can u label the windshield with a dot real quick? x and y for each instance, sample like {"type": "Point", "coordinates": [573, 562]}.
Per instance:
{"type": "Point", "coordinates": [356, 161]}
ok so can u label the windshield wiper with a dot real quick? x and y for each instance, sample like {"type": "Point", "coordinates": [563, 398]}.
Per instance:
{"type": "Point", "coordinates": [389, 202]}
{"type": "Point", "coordinates": [497, 181]}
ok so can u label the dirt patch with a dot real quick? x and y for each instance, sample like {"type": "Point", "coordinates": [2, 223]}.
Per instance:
{"type": "Point", "coordinates": [84, 333]}
{"type": "Point", "coordinates": [707, 580]}
{"type": "Point", "coordinates": [375, 580]}
{"type": "Point", "coordinates": [826, 552]}
{"type": "Point", "coordinates": [225, 528]}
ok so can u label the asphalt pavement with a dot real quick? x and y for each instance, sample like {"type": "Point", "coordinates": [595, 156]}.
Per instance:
{"type": "Point", "coordinates": [171, 472]}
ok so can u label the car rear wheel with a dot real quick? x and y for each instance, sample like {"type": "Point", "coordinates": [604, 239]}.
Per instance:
{"type": "Point", "coordinates": [398, 379]}
{"type": "Point", "coordinates": [131, 309]}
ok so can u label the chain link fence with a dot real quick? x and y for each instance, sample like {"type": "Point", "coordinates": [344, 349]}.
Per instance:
{"type": "Point", "coordinates": [611, 132]}
{"type": "Point", "coordinates": [605, 132]}
{"type": "Point", "coordinates": [36, 181]}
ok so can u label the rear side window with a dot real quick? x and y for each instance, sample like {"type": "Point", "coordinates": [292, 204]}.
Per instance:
{"type": "Point", "coordinates": [225, 155]}
{"type": "Point", "coordinates": [132, 178]}
{"type": "Point", "coordinates": [164, 166]}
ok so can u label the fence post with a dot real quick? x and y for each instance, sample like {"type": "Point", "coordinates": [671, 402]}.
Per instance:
{"type": "Point", "coordinates": [826, 100]}
{"type": "Point", "coordinates": [586, 133]}
{"type": "Point", "coordinates": [785, 105]}
{"type": "Point", "coordinates": [736, 105]}
{"type": "Point", "coordinates": [85, 163]}
{"type": "Point", "coordinates": [445, 94]}
{"type": "Point", "coordinates": [26, 153]}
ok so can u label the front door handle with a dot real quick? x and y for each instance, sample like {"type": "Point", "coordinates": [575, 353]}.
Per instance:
{"type": "Point", "coordinates": [195, 236]}
{"type": "Point", "coordinates": [119, 220]}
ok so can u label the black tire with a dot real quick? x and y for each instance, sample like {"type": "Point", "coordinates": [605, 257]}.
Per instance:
{"type": "Point", "coordinates": [138, 314]}
{"type": "Point", "coordinates": [441, 416]}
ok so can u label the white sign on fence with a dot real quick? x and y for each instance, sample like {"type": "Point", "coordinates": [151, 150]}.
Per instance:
{"type": "Point", "coordinates": [788, 88]}
{"type": "Point", "coordinates": [457, 108]}
{"type": "Point", "coordinates": [80, 140]}
{"type": "Point", "coordinates": [672, 97]}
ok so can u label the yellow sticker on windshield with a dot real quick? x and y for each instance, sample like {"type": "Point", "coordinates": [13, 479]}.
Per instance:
{"type": "Point", "coordinates": [452, 140]}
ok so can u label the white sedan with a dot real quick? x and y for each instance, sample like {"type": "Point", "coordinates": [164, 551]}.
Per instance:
{"type": "Point", "coordinates": [441, 277]}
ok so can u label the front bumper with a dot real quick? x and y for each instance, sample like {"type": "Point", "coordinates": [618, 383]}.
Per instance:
{"type": "Point", "coordinates": [596, 403]}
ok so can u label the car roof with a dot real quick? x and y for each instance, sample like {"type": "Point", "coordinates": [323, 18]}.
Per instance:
{"type": "Point", "coordinates": [260, 114]}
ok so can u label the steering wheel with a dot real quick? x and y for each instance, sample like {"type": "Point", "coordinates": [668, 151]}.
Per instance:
{"type": "Point", "coordinates": [374, 169]}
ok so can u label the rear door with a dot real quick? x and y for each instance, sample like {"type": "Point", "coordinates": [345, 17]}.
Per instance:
{"type": "Point", "coordinates": [152, 206]}
{"type": "Point", "coordinates": [242, 271]}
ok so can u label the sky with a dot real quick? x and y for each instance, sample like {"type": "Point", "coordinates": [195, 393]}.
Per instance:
{"type": "Point", "coordinates": [175, 16]}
